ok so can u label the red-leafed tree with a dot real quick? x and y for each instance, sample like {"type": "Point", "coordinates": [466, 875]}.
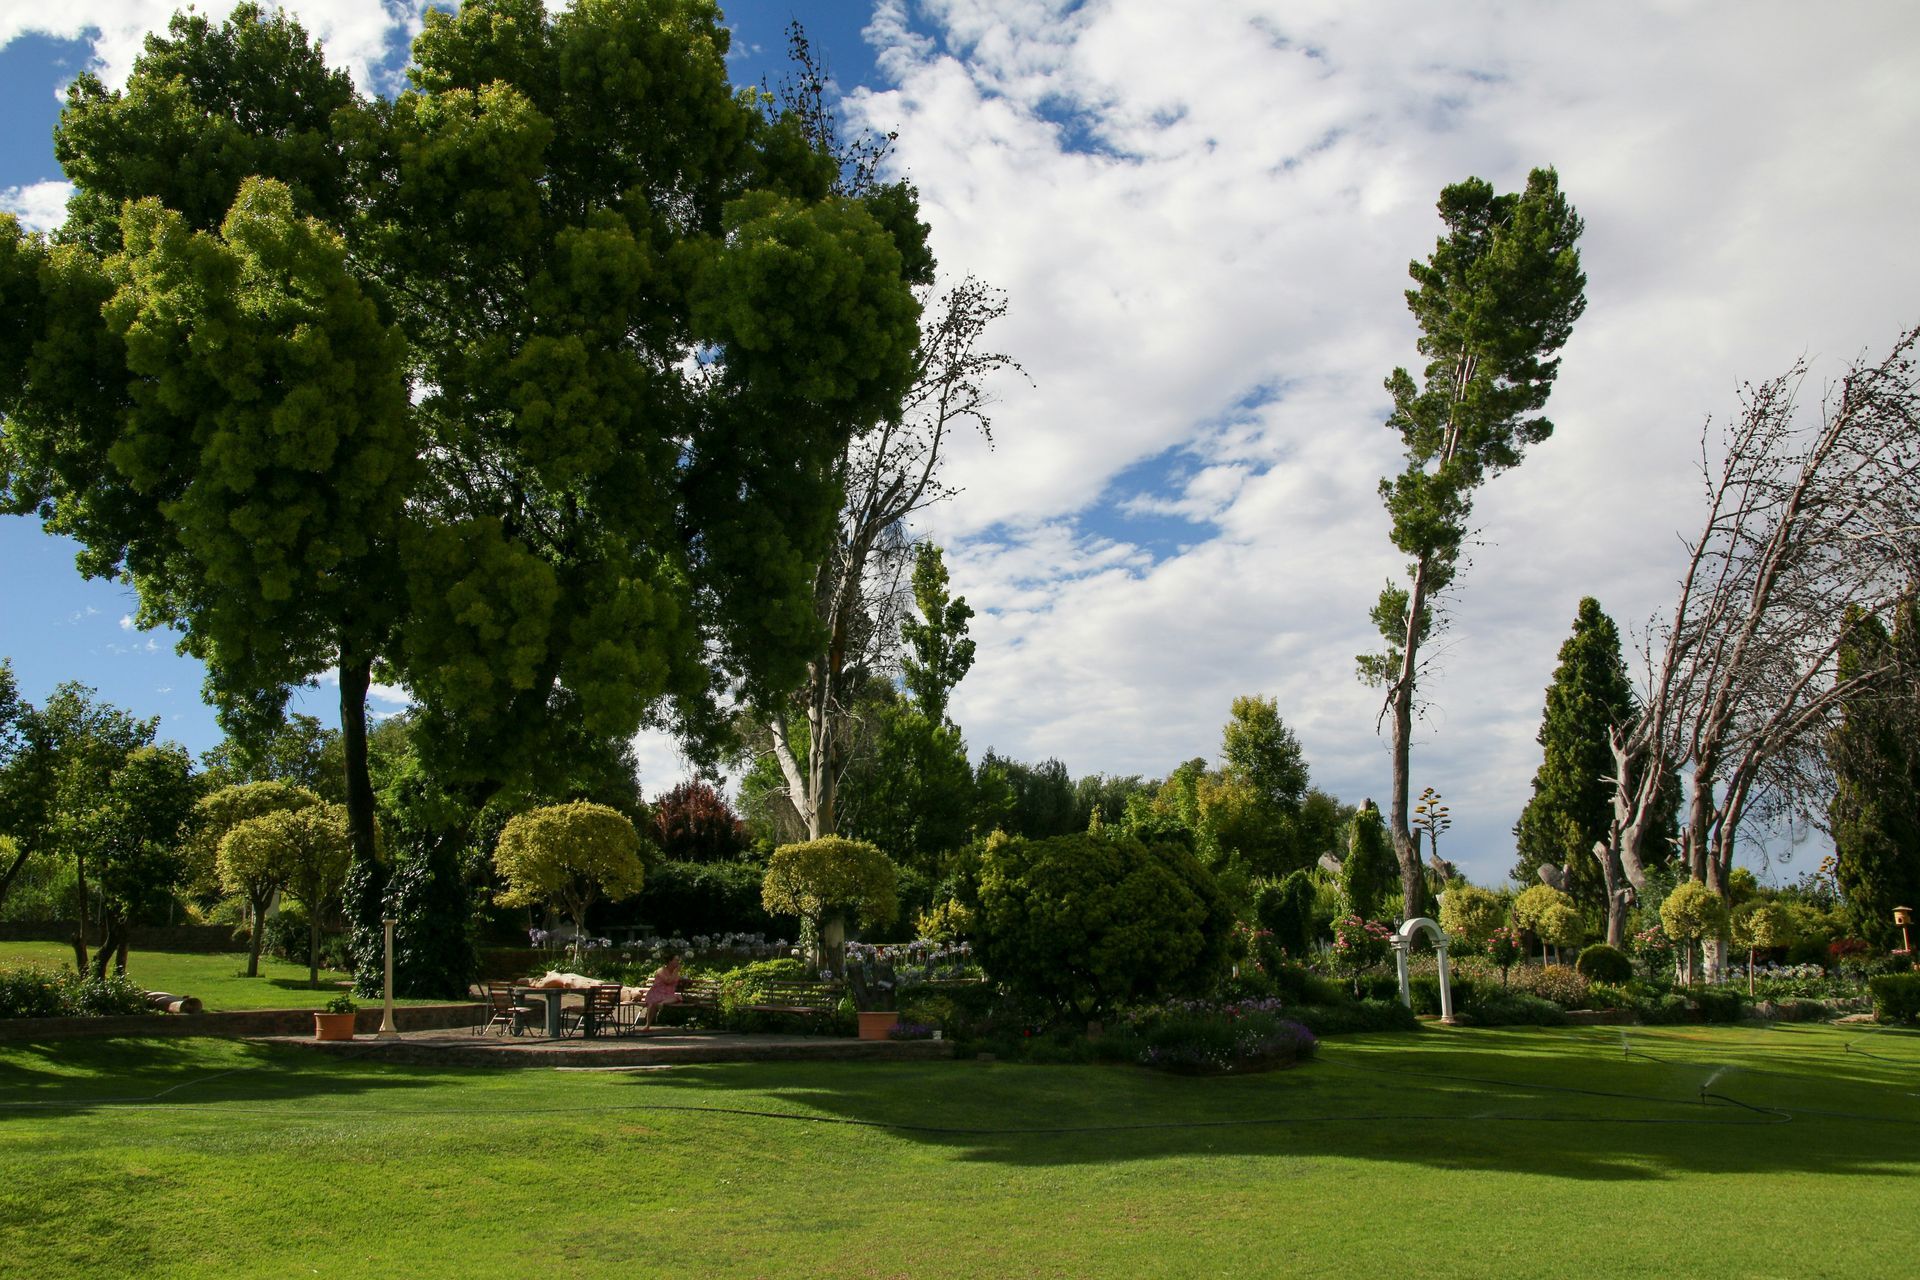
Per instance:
{"type": "Point", "coordinates": [694, 823]}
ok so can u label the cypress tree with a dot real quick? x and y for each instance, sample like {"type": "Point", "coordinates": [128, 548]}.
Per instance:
{"type": "Point", "coordinates": [1875, 813]}
{"type": "Point", "coordinates": [1572, 803]}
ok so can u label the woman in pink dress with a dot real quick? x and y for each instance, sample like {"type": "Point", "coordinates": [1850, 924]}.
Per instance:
{"type": "Point", "coordinates": [663, 990]}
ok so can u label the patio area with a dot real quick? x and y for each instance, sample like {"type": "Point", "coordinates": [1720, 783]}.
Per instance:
{"type": "Point", "coordinates": [661, 1048]}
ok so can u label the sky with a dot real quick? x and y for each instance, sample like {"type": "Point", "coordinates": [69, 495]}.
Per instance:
{"type": "Point", "coordinates": [1202, 216]}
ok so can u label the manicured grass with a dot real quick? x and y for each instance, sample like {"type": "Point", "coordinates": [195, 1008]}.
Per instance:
{"type": "Point", "coordinates": [1442, 1153]}
{"type": "Point", "coordinates": [218, 980]}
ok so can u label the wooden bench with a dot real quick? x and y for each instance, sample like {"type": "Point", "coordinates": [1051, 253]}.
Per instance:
{"type": "Point", "coordinates": [699, 993]}
{"type": "Point", "coordinates": [803, 999]}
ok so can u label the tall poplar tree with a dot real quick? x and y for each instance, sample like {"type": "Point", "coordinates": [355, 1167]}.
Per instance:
{"type": "Point", "coordinates": [1572, 802]}
{"type": "Point", "coordinates": [1495, 301]}
{"type": "Point", "coordinates": [1875, 755]}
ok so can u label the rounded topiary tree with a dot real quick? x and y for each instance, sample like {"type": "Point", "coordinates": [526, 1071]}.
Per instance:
{"type": "Point", "coordinates": [1470, 914]}
{"type": "Point", "coordinates": [569, 854]}
{"type": "Point", "coordinates": [1602, 963]}
{"type": "Point", "coordinates": [1692, 912]}
{"type": "Point", "coordinates": [309, 847]}
{"type": "Point", "coordinates": [827, 882]}
{"type": "Point", "coordinates": [1560, 926]}
{"type": "Point", "coordinates": [1530, 911]}
{"type": "Point", "coordinates": [1091, 922]}
{"type": "Point", "coordinates": [251, 868]}
{"type": "Point", "coordinates": [1761, 926]}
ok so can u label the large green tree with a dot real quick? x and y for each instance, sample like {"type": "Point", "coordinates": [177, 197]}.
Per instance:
{"type": "Point", "coordinates": [529, 385]}
{"type": "Point", "coordinates": [1572, 802]}
{"type": "Point", "coordinates": [1874, 752]}
{"type": "Point", "coordinates": [130, 832]}
{"type": "Point", "coordinates": [1495, 301]}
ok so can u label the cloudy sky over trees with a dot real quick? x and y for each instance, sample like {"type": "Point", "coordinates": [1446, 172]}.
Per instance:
{"type": "Point", "coordinates": [1202, 216]}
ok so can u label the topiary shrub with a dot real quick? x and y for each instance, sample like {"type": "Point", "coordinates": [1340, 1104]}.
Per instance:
{"type": "Point", "coordinates": [1091, 922]}
{"type": "Point", "coordinates": [828, 881]}
{"type": "Point", "coordinates": [1692, 912]}
{"type": "Point", "coordinates": [1720, 1006]}
{"type": "Point", "coordinates": [1602, 963]}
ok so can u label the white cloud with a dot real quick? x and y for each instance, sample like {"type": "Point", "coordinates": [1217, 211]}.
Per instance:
{"type": "Point", "coordinates": [126, 622]}
{"type": "Point", "coordinates": [1202, 216]}
{"type": "Point", "coordinates": [358, 34]}
{"type": "Point", "coordinates": [40, 206]}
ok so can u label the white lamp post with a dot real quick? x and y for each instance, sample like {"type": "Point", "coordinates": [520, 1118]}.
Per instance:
{"type": "Point", "coordinates": [387, 1030]}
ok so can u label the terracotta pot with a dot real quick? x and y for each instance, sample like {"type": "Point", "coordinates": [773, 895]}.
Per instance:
{"type": "Point", "coordinates": [874, 1024]}
{"type": "Point", "coordinates": [333, 1026]}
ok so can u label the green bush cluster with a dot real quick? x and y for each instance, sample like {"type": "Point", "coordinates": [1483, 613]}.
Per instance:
{"type": "Point", "coordinates": [1602, 963]}
{"type": "Point", "coordinates": [1215, 1040]}
{"type": "Point", "coordinates": [1896, 998]}
{"type": "Point", "coordinates": [1353, 1016]}
{"type": "Point", "coordinates": [1096, 922]}
{"type": "Point", "coordinates": [1494, 1007]}
{"type": "Point", "coordinates": [35, 992]}
{"type": "Point", "coordinates": [708, 898]}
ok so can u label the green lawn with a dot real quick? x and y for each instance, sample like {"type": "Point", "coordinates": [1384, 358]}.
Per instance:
{"type": "Point", "coordinates": [218, 980]}
{"type": "Point", "coordinates": [1442, 1153]}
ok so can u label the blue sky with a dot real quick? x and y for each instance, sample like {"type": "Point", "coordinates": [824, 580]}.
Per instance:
{"type": "Point", "coordinates": [1202, 216]}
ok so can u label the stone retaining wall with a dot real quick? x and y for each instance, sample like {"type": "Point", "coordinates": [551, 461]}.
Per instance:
{"type": "Point", "coordinates": [240, 1022]}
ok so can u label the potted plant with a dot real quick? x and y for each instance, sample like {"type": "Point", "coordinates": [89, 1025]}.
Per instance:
{"type": "Point", "coordinates": [335, 1022]}
{"type": "Point", "coordinates": [875, 989]}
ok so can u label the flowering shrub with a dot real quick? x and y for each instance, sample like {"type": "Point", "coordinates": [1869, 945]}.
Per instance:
{"type": "Point", "coordinates": [1846, 948]}
{"type": "Point", "coordinates": [1559, 983]}
{"type": "Point", "coordinates": [1653, 947]}
{"type": "Point", "coordinates": [1504, 949]}
{"type": "Point", "coordinates": [910, 1031]}
{"type": "Point", "coordinates": [1359, 945]}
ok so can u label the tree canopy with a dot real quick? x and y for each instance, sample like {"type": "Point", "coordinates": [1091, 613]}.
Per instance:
{"type": "Point", "coordinates": [571, 854]}
{"type": "Point", "coordinates": [529, 385]}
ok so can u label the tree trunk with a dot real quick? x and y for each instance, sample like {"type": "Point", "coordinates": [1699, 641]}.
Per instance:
{"type": "Point", "coordinates": [313, 946]}
{"type": "Point", "coordinates": [12, 871]}
{"type": "Point", "coordinates": [1413, 884]}
{"type": "Point", "coordinates": [356, 675]}
{"type": "Point", "coordinates": [80, 938]}
{"type": "Point", "coordinates": [259, 906]}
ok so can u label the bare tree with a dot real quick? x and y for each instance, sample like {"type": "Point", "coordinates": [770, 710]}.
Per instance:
{"type": "Point", "coordinates": [888, 475]}
{"type": "Point", "coordinates": [1804, 520]}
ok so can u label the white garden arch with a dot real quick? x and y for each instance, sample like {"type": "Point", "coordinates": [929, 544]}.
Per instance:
{"type": "Point", "coordinates": [1403, 946]}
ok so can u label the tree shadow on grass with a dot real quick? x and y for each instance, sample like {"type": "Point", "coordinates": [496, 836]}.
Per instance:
{"type": "Point", "coordinates": [67, 1077]}
{"type": "Point", "coordinates": [1562, 1104]}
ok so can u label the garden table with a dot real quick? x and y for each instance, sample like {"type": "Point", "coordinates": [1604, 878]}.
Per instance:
{"type": "Point", "coordinates": [553, 996]}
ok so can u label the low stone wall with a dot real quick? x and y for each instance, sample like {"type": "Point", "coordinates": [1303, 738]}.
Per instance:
{"type": "Point", "coordinates": [240, 1022]}
{"type": "Point", "coordinates": [206, 938]}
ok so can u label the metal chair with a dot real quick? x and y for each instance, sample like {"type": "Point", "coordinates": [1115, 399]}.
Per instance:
{"type": "Point", "coordinates": [502, 1012]}
{"type": "Point", "coordinates": [599, 1012]}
